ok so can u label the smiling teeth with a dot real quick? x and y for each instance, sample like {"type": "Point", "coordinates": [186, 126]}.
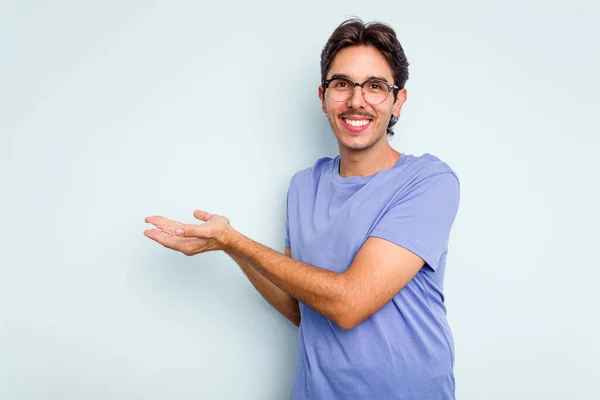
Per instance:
{"type": "Point", "coordinates": [354, 122]}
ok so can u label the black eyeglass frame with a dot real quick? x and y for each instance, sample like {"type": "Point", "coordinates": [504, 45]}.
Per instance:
{"type": "Point", "coordinates": [326, 83]}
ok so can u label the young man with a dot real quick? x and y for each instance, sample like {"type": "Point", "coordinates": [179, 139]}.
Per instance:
{"type": "Point", "coordinates": [366, 243]}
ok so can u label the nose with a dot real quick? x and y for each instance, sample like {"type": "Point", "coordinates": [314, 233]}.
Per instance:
{"type": "Point", "coordinates": [357, 100]}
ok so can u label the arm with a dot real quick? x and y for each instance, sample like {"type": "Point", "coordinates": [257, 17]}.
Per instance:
{"type": "Point", "coordinates": [283, 302]}
{"type": "Point", "coordinates": [379, 271]}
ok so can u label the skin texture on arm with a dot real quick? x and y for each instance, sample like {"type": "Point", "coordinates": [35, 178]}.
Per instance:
{"type": "Point", "coordinates": [379, 271]}
{"type": "Point", "coordinates": [280, 300]}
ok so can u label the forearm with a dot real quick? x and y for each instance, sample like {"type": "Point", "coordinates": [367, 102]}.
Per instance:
{"type": "Point", "coordinates": [280, 300]}
{"type": "Point", "coordinates": [324, 291]}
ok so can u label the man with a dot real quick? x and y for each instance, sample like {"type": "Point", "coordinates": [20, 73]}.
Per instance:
{"type": "Point", "coordinates": [366, 242]}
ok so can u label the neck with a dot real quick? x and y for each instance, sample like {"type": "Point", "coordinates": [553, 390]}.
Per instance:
{"type": "Point", "coordinates": [368, 161]}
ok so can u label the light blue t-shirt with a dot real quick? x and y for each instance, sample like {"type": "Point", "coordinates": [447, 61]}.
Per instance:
{"type": "Point", "coordinates": [405, 350]}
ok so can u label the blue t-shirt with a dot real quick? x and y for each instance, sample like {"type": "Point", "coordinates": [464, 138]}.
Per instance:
{"type": "Point", "coordinates": [405, 350]}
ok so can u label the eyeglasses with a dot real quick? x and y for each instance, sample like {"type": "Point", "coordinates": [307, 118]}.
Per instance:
{"type": "Point", "coordinates": [375, 91]}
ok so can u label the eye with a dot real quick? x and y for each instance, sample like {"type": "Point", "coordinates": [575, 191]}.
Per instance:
{"type": "Point", "coordinates": [340, 84]}
{"type": "Point", "coordinates": [375, 86]}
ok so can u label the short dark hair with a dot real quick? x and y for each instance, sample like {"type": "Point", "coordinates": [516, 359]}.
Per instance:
{"type": "Point", "coordinates": [354, 32]}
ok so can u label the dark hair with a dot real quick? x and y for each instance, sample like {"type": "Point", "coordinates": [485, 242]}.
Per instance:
{"type": "Point", "coordinates": [355, 32]}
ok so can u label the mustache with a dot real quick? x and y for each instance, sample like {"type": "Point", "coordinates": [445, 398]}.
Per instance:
{"type": "Point", "coordinates": [356, 112]}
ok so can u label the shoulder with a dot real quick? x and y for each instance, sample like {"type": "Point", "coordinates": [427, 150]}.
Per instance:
{"type": "Point", "coordinates": [427, 166]}
{"type": "Point", "coordinates": [323, 165]}
{"type": "Point", "coordinates": [428, 173]}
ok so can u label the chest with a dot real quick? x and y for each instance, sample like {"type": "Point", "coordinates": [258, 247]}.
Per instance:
{"type": "Point", "coordinates": [329, 228]}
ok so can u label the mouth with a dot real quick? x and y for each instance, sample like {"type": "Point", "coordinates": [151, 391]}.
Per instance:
{"type": "Point", "coordinates": [356, 124]}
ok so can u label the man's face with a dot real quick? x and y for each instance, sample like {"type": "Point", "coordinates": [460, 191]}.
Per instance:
{"type": "Point", "coordinates": [357, 124]}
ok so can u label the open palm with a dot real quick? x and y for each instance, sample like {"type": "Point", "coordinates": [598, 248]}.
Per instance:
{"type": "Point", "coordinates": [189, 239]}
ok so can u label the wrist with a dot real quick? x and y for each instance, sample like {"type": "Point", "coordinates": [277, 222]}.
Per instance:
{"type": "Point", "coordinates": [229, 239]}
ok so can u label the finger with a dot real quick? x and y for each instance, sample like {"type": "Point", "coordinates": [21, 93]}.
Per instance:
{"type": "Point", "coordinates": [157, 220]}
{"type": "Point", "coordinates": [171, 242]}
{"type": "Point", "coordinates": [202, 215]}
{"type": "Point", "coordinates": [164, 224]}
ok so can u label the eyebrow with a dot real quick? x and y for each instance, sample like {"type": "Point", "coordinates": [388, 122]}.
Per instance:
{"type": "Point", "coordinates": [343, 76]}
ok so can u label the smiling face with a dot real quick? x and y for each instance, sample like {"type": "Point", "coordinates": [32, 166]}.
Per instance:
{"type": "Point", "coordinates": [356, 124]}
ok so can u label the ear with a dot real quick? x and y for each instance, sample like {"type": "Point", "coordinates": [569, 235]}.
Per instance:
{"type": "Point", "coordinates": [400, 99]}
{"type": "Point", "coordinates": [322, 98]}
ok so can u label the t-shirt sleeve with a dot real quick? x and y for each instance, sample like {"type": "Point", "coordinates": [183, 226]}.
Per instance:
{"type": "Point", "coordinates": [421, 219]}
{"type": "Point", "coordinates": [287, 220]}
{"type": "Point", "coordinates": [288, 210]}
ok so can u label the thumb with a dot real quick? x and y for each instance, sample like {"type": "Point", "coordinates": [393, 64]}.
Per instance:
{"type": "Point", "coordinates": [202, 215]}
